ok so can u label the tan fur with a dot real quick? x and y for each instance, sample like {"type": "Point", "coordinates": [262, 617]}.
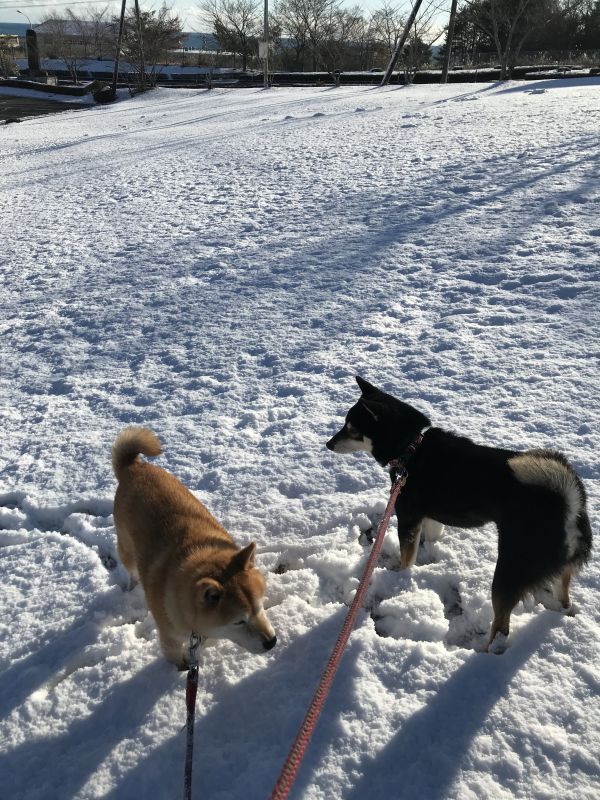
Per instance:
{"type": "Point", "coordinates": [129, 444]}
{"type": "Point", "coordinates": [194, 576]}
{"type": "Point", "coordinates": [563, 591]}
{"type": "Point", "coordinates": [544, 471]}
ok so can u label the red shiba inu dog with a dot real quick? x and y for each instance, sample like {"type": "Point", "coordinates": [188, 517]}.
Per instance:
{"type": "Point", "coordinates": [195, 578]}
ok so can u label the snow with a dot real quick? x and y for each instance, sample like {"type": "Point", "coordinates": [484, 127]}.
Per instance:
{"type": "Point", "coordinates": [20, 91]}
{"type": "Point", "coordinates": [218, 266]}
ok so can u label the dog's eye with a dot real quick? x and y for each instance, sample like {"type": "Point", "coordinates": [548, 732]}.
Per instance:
{"type": "Point", "coordinates": [352, 431]}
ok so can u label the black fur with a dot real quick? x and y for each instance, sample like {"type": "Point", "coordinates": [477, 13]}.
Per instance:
{"type": "Point", "coordinates": [456, 482]}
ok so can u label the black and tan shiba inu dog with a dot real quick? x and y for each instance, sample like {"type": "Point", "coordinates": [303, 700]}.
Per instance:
{"type": "Point", "coordinates": [194, 576]}
{"type": "Point", "coordinates": [535, 498]}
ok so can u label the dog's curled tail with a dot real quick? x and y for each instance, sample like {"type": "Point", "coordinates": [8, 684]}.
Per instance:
{"type": "Point", "coordinates": [129, 444]}
{"type": "Point", "coordinates": [552, 470]}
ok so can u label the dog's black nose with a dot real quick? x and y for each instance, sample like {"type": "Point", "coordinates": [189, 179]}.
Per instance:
{"type": "Point", "coordinates": [270, 643]}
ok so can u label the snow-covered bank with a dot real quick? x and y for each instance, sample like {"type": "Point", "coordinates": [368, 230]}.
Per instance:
{"type": "Point", "coordinates": [218, 266]}
{"type": "Point", "coordinates": [55, 97]}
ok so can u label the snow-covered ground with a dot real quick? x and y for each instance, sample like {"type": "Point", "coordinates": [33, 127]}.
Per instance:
{"type": "Point", "coordinates": [33, 94]}
{"type": "Point", "coordinates": [218, 266]}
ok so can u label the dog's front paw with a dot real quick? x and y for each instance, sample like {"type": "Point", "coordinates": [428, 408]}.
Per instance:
{"type": "Point", "coordinates": [570, 610]}
{"type": "Point", "coordinates": [498, 644]}
{"type": "Point", "coordinates": [176, 656]}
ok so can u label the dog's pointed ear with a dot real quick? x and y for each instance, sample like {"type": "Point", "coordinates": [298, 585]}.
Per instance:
{"type": "Point", "coordinates": [370, 407]}
{"type": "Point", "coordinates": [366, 388]}
{"type": "Point", "coordinates": [245, 558]}
{"type": "Point", "coordinates": [210, 591]}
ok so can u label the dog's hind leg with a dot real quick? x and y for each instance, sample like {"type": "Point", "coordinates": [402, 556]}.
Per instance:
{"type": "Point", "coordinates": [127, 555]}
{"type": "Point", "coordinates": [554, 594]}
{"type": "Point", "coordinates": [563, 588]}
{"type": "Point", "coordinates": [409, 536]}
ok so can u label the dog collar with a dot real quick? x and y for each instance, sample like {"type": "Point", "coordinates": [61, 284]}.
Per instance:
{"type": "Point", "coordinates": [398, 466]}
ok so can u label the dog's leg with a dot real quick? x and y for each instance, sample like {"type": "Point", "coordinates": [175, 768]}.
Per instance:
{"type": "Point", "coordinates": [432, 530]}
{"type": "Point", "coordinates": [127, 555]}
{"type": "Point", "coordinates": [503, 607]}
{"type": "Point", "coordinates": [409, 536]}
{"type": "Point", "coordinates": [172, 648]}
{"type": "Point", "coordinates": [171, 643]}
{"type": "Point", "coordinates": [505, 596]}
{"type": "Point", "coordinates": [563, 589]}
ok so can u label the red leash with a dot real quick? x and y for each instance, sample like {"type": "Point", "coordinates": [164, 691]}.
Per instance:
{"type": "Point", "coordinates": [290, 768]}
{"type": "Point", "coordinates": [191, 689]}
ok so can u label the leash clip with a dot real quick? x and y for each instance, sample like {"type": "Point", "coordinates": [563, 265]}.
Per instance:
{"type": "Point", "coordinates": [398, 471]}
{"type": "Point", "coordinates": [398, 468]}
{"type": "Point", "coordinates": [195, 642]}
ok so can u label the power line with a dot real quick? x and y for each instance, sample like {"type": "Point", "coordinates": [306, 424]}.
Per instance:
{"type": "Point", "coordinates": [42, 6]}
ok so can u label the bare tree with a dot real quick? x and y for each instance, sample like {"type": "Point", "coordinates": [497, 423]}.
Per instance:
{"type": "Point", "coordinates": [9, 46]}
{"type": "Point", "coordinates": [340, 38]}
{"type": "Point", "coordinates": [415, 54]}
{"type": "Point", "coordinates": [66, 38]}
{"type": "Point", "coordinates": [292, 25]}
{"type": "Point", "coordinates": [237, 25]}
{"type": "Point", "coordinates": [75, 37]}
{"type": "Point", "coordinates": [324, 33]}
{"type": "Point", "coordinates": [354, 33]}
{"type": "Point", "coordinates": [388, 23]}
{"type": "Point", "coordinates": [100, 32]}
{"type": "Point", "coordinates": [317, 18]}
{"type": "Point", "coordinates": [509, 23]}
{"type": "Point", "coordinates": [391, 23]}
{"type": "Point", "coordinates": [365, 48]}
{"type": "Point", "coordinates": [424, 33]}
{"type": "Point", "coordinates": [147, 42]}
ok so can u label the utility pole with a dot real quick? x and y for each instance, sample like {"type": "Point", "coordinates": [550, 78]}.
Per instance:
{"type": "Point", "coordinates": [401, 43]}
{"type": "Point", "coordinates": [266, 40]}
{"type": "Point", "coordinates": [118, 53]}
{"type": "Point", "coordinates": [449, 38]}
{"type": "Point", "coordinates": [141, 44]}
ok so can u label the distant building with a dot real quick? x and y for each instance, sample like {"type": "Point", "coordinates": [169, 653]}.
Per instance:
{"type": "Point", "coordinates": [76, 38]}
{"type": "Point", "coordinates": [8, 41]}
{"type": "Point", "coordinates": [202, 42]}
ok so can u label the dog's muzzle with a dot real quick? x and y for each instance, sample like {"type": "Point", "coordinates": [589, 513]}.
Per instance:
{"type": "Point", "coordinates": [330, 445]}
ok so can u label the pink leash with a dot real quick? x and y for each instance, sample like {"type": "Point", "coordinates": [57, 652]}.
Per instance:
{"type": "Point", "coordinates": [292, 764]}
